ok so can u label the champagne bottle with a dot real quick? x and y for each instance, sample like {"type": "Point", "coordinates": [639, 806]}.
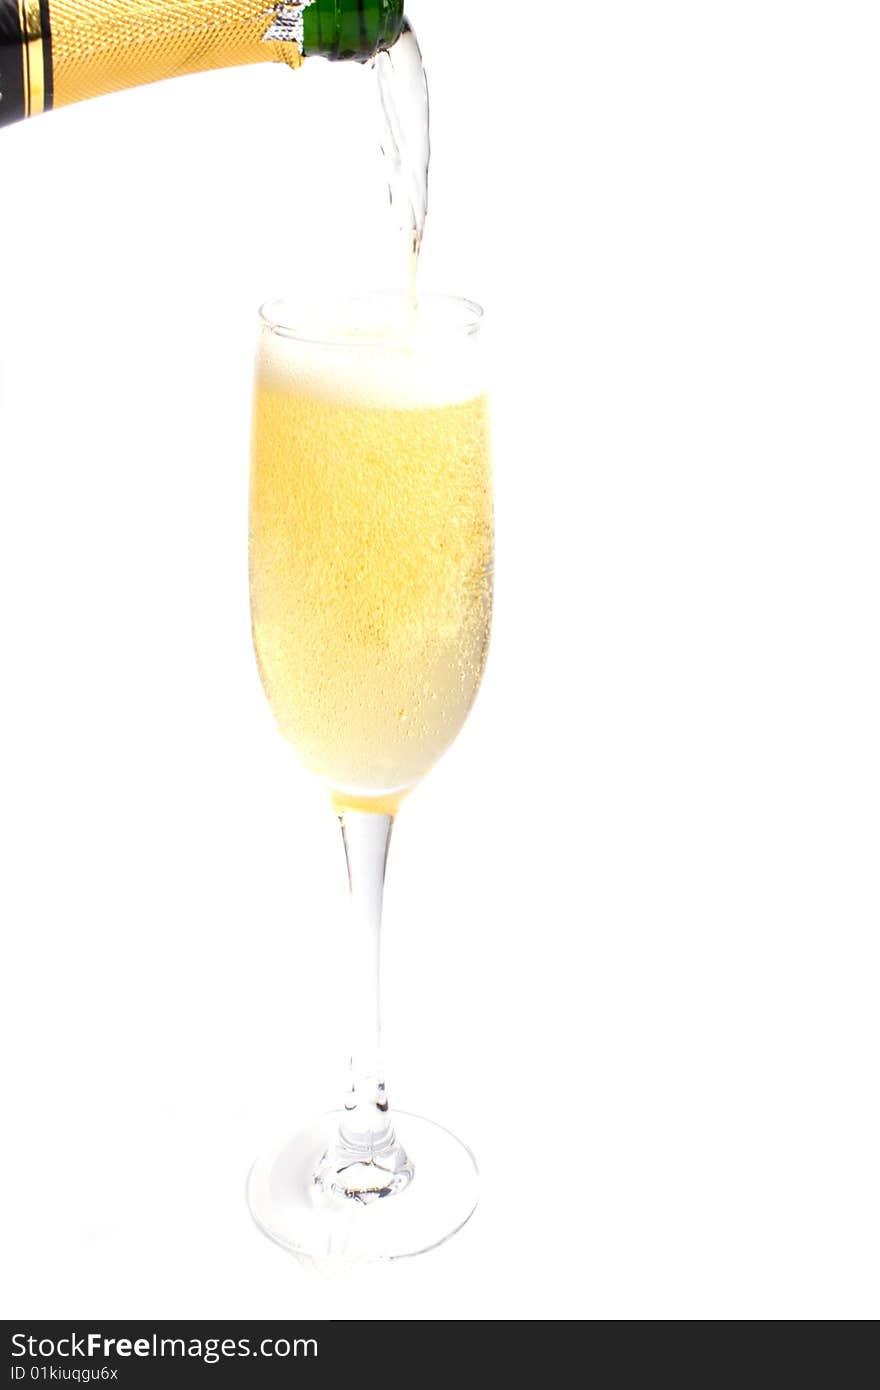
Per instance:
{"type": "Point", "coordinates": [54, 52]}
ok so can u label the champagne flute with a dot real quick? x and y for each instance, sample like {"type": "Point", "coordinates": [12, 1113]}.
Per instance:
{"type": "Point", "coordinates": [371, 555]}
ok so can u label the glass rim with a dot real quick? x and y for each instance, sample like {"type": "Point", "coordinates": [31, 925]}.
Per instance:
{"type": "Point", "coordinates": [451, 316]}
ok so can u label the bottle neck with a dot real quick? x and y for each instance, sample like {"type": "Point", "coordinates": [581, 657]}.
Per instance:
{"type": "Point", "coordinates": [346, 29]}
{"type": "Point", "coordinates": [85, 48]}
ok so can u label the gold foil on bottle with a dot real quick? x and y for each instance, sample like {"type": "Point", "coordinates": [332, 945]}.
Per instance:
{"type": "Point", "coordinates": [103, 46]}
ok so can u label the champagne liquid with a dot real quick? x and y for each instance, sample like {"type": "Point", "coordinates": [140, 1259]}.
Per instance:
{"type": "Point", "coordinates": [371, 518]}
{"type": "Point", "coordinates": [406, 145]}
{"type": "Point", "coordinates": [371, 562]}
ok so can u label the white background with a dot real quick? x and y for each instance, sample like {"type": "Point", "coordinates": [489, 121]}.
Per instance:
{"type": "Point", "coordinates": [632, 918]}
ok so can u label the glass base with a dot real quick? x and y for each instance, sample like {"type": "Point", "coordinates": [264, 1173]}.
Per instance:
{"type": "Point", "coordinates": [292, 1208]}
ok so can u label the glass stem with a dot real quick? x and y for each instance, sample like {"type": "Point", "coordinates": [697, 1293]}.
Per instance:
{"type": "Point", "coordinates": [366, 1161]}
{"type": "Point", "coordinates": [367, 838]}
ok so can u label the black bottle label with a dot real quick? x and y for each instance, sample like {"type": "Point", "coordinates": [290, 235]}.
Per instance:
{"type": "Point", "coordinates": [25, 59]}
{"type": "Point", "coordinates": [12, 103]}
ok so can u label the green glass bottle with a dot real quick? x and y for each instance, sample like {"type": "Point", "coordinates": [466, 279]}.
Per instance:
{"type": "Point", "coordinates": [54, 52]}
{"type": "Point", "coordinates": [346, 29]}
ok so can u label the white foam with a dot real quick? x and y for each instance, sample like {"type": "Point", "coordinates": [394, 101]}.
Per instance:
{"type": "Point", "coordinates": [402, 372]}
